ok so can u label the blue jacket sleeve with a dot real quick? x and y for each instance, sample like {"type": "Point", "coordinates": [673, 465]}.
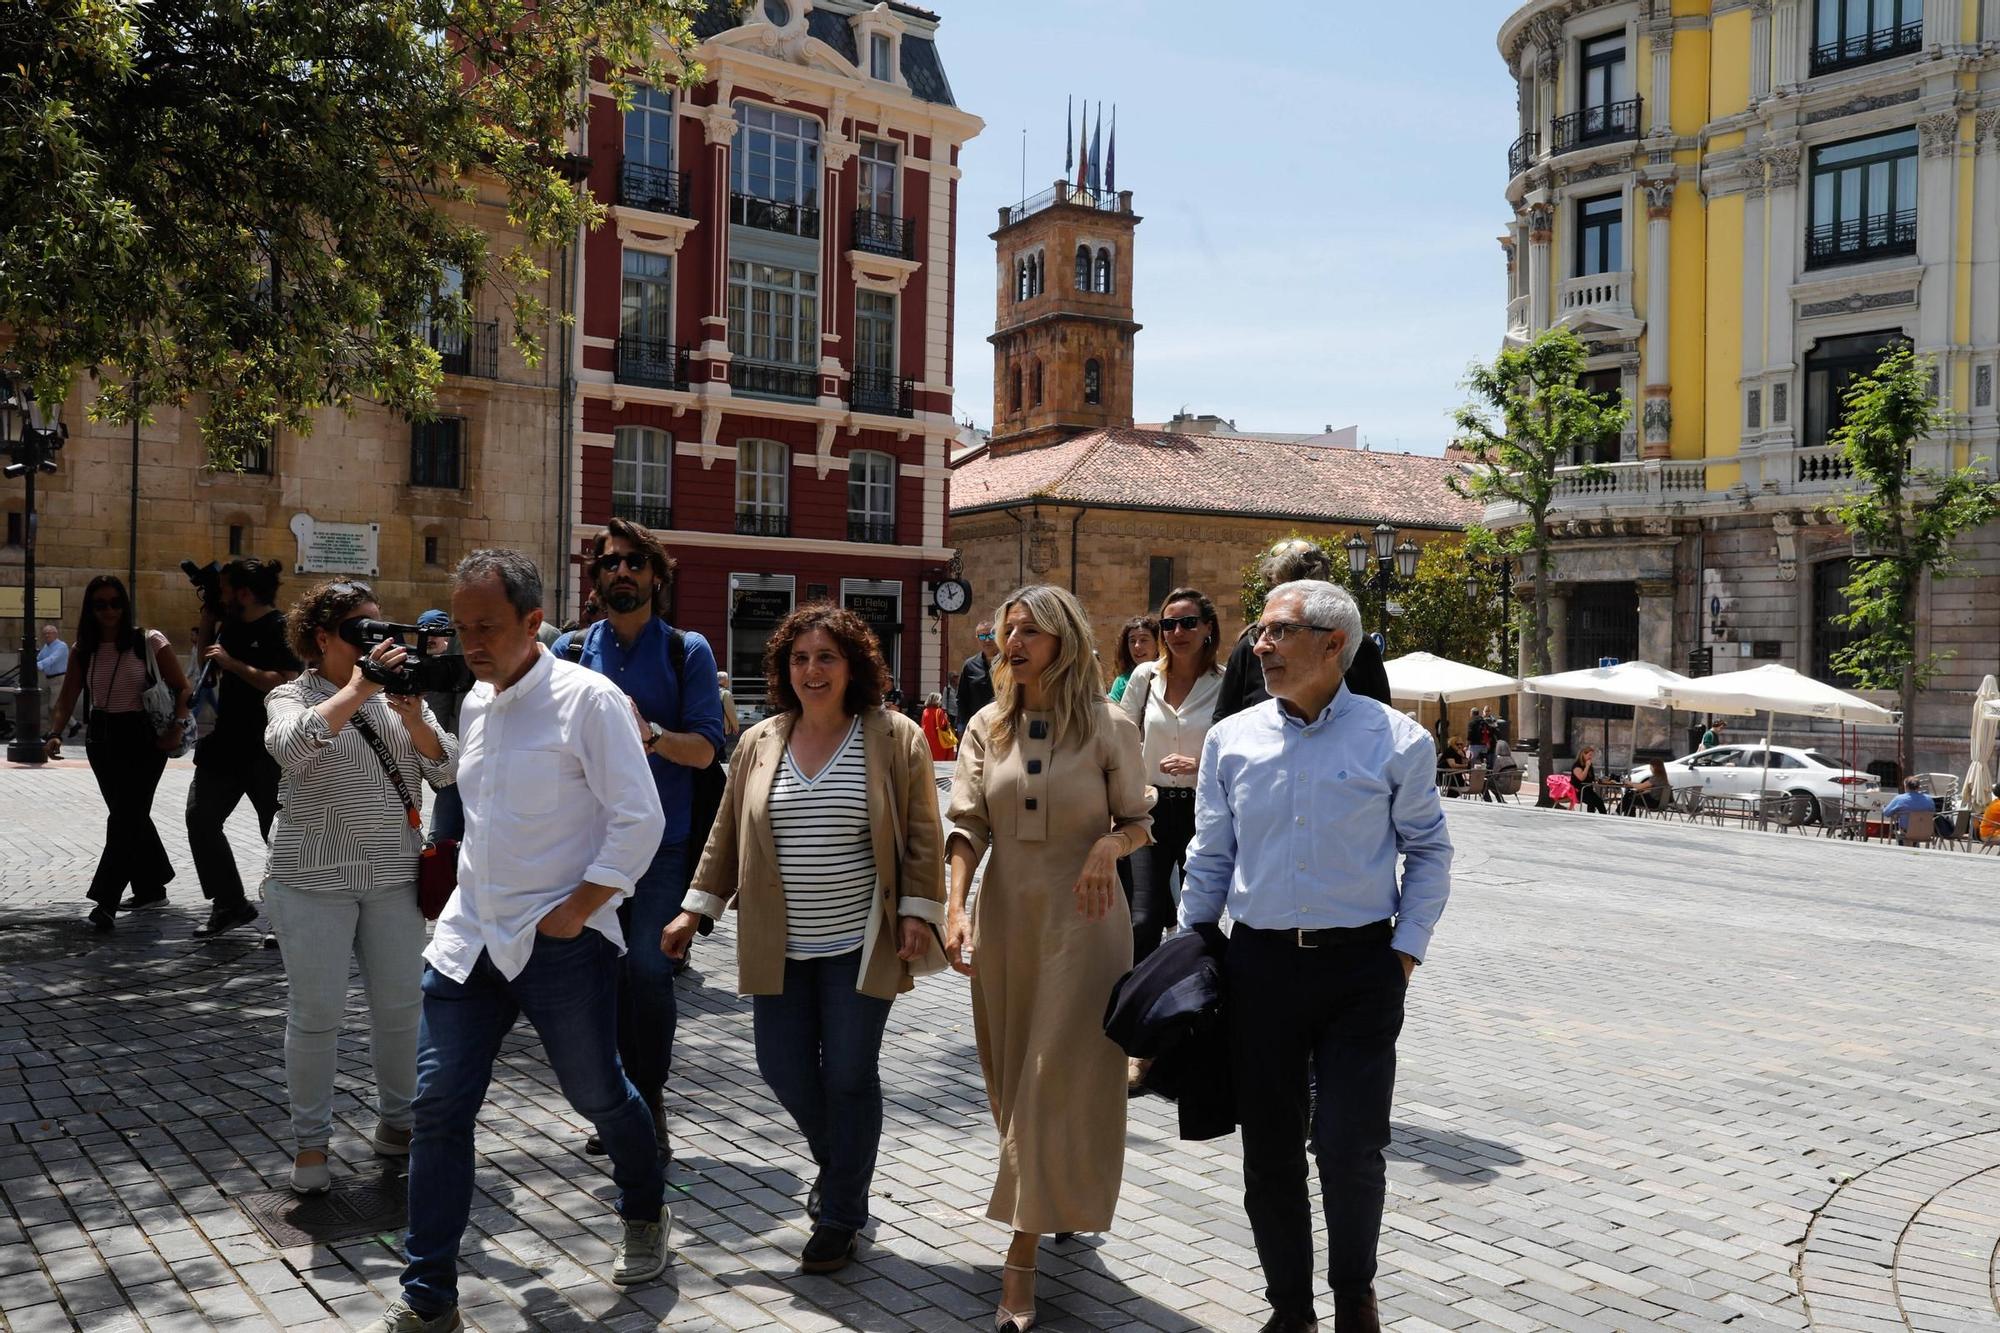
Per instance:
{"type": "Point", "coordinates": [701, 695]}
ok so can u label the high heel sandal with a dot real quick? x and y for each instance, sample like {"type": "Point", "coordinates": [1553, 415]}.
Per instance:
{"type": "Point", "coordinates": [1015, 1321]}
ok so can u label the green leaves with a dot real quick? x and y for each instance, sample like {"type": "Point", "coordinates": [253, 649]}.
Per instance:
{"type": "Point", "coordinates": [251, 203]}
{"type": "Point", "coordinates": [1528, 415]}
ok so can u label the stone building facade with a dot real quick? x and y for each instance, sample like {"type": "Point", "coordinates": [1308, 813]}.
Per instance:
{"type": "Point", "coordinates": [1739, 205]}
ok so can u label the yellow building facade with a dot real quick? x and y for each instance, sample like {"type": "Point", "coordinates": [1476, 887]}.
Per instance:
{"type": "Point", "coordinates": [1739, 205]}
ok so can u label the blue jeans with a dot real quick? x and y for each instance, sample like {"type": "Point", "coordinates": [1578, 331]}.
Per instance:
{"type": "Point", "coordinates": [447, 814]}
{"type": "Point", "coordinates": [569, 991]}
{"type": "Point", "coordinates": [818, 1046]}
{"type": "Point", "coordinates": [647, 1014]}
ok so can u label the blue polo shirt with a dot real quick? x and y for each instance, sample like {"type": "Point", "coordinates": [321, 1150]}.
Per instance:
{"type": "Point", "coordinates": [646, 672]}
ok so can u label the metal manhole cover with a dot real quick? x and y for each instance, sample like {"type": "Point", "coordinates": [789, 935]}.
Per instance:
{"type": "Point", "coordinates": [351, 1210]}
{"type": "Point", "coordinates": [43, 941]}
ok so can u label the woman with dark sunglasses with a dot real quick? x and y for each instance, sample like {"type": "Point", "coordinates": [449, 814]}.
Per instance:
{"type": "Point", "coordinates": [109, 668]}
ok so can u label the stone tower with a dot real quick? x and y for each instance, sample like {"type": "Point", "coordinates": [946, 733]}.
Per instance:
{"type": "Point", "coordinates": [1062, 337]}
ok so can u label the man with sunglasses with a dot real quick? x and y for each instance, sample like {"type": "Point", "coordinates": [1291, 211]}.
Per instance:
{"type": "Point", "coordinates": [975, 678]}
{"type": "Point", "coordinates": [1303, 806]}
{"type": "Point", "coordinates": [669, 675]}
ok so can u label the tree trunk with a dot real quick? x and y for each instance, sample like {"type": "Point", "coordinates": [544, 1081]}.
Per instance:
{"type": "Point", "coordinates": [1909, 682]}
{"type": "Point", "coordinates": [1544, 705]}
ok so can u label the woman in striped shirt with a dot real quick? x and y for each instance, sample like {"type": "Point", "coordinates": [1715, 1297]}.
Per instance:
{"type": "Point", "coordinates": [340, 885]}
{"type": "Point", "coordinates": [828, 840]}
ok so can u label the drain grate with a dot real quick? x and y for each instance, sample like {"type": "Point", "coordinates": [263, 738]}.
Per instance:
{"type": "Point", "coordinates": [351, 1210]}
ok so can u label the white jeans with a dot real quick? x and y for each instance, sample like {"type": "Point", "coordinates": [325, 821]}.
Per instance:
{"type": "Point", "coordinates": [321, 934]}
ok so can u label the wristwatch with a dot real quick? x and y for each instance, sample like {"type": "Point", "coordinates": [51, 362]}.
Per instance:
{"type": "Point", "coordinates": [653, 733]}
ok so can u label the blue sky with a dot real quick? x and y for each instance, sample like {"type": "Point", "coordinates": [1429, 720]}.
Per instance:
{"type": "Point", "coordinates": [1320, 188]}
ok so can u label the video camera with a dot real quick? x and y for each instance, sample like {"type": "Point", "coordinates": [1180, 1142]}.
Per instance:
{"type": "Point", "coordinates": [207, 581]}
{"type": "Point", "coordinates": [420, 673]}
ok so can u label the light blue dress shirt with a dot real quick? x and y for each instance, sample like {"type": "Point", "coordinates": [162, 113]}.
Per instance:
{"type": "Point", "coordinates": [1900, 807]}
{"type": "Point", "coordinates": [1298, 825]}
{"type": "Point", "coordinates": [53, 658]}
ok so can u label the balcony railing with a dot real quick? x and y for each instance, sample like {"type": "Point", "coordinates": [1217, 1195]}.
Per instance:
{"type": "Point", "coordinates": [885, 234]}
{"type": "Point", "coordinates": [1601, 291]}
{"type": "Point", "coordinates": [1868, 47]}
{"type": "Point", "coordinates": [1605, 123]}
{"type": "Point", "coordinates": [1823, 467]}
{"type": "Point", "coordinates": [880, 392]}
{"type": "Point", "coordinates": [653, 362]}
{"type": "Point", "coordinates": [655, 189]}
{"type": "Point", "coordinates": [645, 513]}
{"type": "Point", "coordinates": [754, 524]}
{"type": "Point", "coordinates": [783, 216]}
{"type": "Point", "coordinates": [881, 531]}
{"type": "Point", "coordinates": [1104, 201]}
{"type": "Point", "coordinates": [473, 350]}
{"type": "Point", "coordinates": [1521, 154]}
{"type": "Point", "coordinates": [1850, 240]}
{"type": "Point", "coordinates": [775, 380]}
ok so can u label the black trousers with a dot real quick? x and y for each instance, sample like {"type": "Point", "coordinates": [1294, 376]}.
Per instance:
{"type": "Point", "coordinates": [127, 764]}
{"type": "Point", "coordinates": [1150, 892]}
{"type": "Point", "coordinates": [1332, 1012]}
{"type": "Point", "coordinates": [222, 778]}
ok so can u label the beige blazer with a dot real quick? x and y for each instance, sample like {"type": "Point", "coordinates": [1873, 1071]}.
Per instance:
{"type": "Point", "coordinates": [740, 861]}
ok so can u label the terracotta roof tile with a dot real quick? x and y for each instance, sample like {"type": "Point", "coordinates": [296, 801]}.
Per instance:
{"type": "Point", "coordinates": [1219, 474]}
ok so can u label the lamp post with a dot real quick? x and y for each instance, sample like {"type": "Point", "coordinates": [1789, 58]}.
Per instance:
{"type": "Point", "coordinates": [1394, 564]}
{"type": "Point", "coordinates": [30, 437]}
{"type": "Point", "coordinates": [1476, 573]}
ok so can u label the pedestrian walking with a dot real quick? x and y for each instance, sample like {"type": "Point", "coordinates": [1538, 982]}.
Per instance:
{"type": "Point", "coordinates": [248, 655]}
{"type": "Point", "coordinates": [341, 883]}
{"type": "Point", "coordinates": [1712, 736]}
{"type": "Point", "coordinates": [1051, 781]}
{"type": "Point", "coordinates": [1172, 701]}
{"type": "Point", "coordinates": [560, 823]}
{"type": "Point", "coordinates": [52, 662]}
{"type": "Point", "coordinates": [110, 668]}
{"type": "Point", "coordinates": [975, 678]}
{"type": "Point", "coordinates": [941, 736]}
{"type": "Point", "coordinates": [828, 845]}
{"type": "Point", "coordinates": [447, 806]}
{"type": "Point", "coordinates": [1303, 809]}
{"type": "Point", "coordinates": [1138, 641]}
{"type": "Point", "coordinates": [670, 676]}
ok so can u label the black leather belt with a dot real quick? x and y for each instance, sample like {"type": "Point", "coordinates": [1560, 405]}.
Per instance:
{"type": "Point", "coordinates": [1327, 937]}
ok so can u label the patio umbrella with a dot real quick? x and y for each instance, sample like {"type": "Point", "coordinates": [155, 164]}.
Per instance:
{"type": "Point", "coordinates": [1635, 684]}
{"type": "Point", "coordinates": [1427, 678]}
{"type": "Point", "coordinates": [1985, 729]}
{"type": "Point", "coordinates": [1771, 690]}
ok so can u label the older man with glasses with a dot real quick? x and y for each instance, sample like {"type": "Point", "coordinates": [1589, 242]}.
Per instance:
{"type": "Point", "coordinates": [975, 678]}
{"type": "Point", "coordinates": [1303, 806]}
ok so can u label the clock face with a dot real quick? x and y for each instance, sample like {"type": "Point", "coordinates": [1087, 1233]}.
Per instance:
{"type": "Point", "coordinates": [778, 12]}
{"type": "Point", "coordinates": [952, 596]}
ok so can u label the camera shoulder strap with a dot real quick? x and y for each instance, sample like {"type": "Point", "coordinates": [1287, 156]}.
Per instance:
{"type": "Point", "coordinates": [381, 749]}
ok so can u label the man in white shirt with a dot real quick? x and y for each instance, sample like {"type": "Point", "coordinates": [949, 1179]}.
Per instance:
{"type": "Point", "coordinates": [561, 818]}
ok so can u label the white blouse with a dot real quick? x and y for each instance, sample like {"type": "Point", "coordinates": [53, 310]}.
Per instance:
{"type": "Point", "coordinates": [1166, 729]}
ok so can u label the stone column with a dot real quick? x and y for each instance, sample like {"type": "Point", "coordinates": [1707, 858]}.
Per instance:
{"type": "Point", "coordinates": [1540, 299]}
{"type": "Point", "coordinates": [1787, 52]}
{"type": "Point", "coordinates": [1937, 211]}
{"type": "Point", "coordinates": [1656, 645]}
{"type": "Point", "coordinates": [1760, 50]}
{"type": "Point", "coordinates": [1751, 408]}
{"type": "Point", "coordinates": [1985, 271]}
{"type": "Point", "coordinates": [718, 130]}
{"type": "Point", "coordinates": [1989, 21]}
{"type": "Point", "coordinates": [1661, 119]}
{"type": "Point", "coordinates": [1781, 202]}
{"type": "Point", "coordinates": [1941, 23]}
{"type": "Point", "coordinates": [1658, 416]}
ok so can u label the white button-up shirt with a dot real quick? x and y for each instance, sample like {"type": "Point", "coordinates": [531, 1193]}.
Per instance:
{"type": "Point", "coordinates": [557, 794]}
{"type": "Point", "coordinates": [1165, 729]}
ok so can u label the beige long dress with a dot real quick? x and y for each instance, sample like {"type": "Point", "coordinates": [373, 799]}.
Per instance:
{"type": "Point", "coordinates": [1043, 974]}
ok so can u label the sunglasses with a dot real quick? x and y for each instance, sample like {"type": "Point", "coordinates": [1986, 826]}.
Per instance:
{"type": "Point", "coordinates": [632, 560]}
{"type": "Point", "coordinates": [986, 638]}
{"type": "Point", "coordinates": [1181, 622]}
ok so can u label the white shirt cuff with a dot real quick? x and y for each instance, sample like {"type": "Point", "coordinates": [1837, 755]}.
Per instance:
{"type": "Point", "coordinates": [923, 909]}
{"type": "Point", "coordinates": [703, 904]}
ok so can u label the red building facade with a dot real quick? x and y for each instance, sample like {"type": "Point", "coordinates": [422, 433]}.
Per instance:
{"type": "Point", "coordinates": [764, 367]}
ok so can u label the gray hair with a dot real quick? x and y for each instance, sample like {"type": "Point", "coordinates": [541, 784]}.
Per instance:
{"type": "Point", "coordinates": [1330, 605]}
{"type": "Point", "coordinates": [1293, 559]}
{"type": "Point", "coordinates": [518, 576]}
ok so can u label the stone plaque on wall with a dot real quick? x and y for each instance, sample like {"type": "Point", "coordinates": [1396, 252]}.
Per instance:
{"type": "Point", "coordinates": [336, 548]}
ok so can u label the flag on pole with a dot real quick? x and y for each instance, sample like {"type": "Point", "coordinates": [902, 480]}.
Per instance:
{"type": "Point", "coordinates": [1096, 151]}
{"type": "Point", "coordinates": [1069, 148]}
{"type": "Point", "coordinates": [1083, 149]}
{"type": "Point", "coordinates": [1111, 154]}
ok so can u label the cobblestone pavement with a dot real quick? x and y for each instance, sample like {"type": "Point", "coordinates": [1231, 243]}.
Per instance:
{"type": "Point", "coordinates": [1654, 1076]}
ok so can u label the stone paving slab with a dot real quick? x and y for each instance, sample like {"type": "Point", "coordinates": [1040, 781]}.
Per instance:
{"type": "Point", "coordinates": [1654, 1076]}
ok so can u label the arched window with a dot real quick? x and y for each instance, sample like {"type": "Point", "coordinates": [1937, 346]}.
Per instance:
{"type": "Point", "coordinates": [642, 469]}
{"type": "Point", "coordinates": [1038, 384]}
{"type": "Point", "coordinates": [763, 469]}
{"type": "Point", "coordinates": [1104, 270]}
{"type": "Point", "coordinates": [1014, 390]}
{"type": "Point", "coordinates": [1083, 268]}
{"type": "Point", "coordinates": [1093, 381]}
{"type": "Point", "coordinates": [1035, 275]}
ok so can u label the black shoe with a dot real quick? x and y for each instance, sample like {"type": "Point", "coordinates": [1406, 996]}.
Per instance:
{"type": "Point", "coordinates": [101, 920]}
{"type": "Point", "coordinates": [270, 940]}
{"type": "Point", "coordinates": [830, 1250]}
{"type": "Point", "coordinates": [1354, 1312]}
{"type": "Point", "coordinates": [594, 1146]}
{"type": "Point", "coordinates": [222, 919]}
{"type": "Point", "coordinates": [812, 1202]}
{"type": "Point", "coordinates": [1291, 1323]}
{"type": "Point", "coordinates": [139, 902]}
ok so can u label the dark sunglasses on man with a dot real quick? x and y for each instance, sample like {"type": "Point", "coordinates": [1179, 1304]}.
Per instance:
{"type": "Point", "coordinates": [610, 560]}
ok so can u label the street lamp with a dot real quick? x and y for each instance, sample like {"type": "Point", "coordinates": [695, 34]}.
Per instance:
{"type": "Point", "coordinates": [31, 437]}
{"type": "Point", "coordinates": [1477, 571]}
{"type": "Point", "coordinates": [1394, 564]}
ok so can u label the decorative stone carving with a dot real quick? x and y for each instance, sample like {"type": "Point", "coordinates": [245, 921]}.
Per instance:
{"type": "Point", "coordinates": [1982, 386]}
{"type": "Point", "coordinates": [1540, 223]}
{"type": "Point", "coordinates": [718, 124]}
{"type": "Point", "coordinates": [1781, 166]}
{"type": "Point", "coordinates": [1788, 546]}
{"type": "Point", "coordinates": [1660, 197]}
{"type": "Point", "coordinates": [1658, 420]}
{"type": "Point", "coordinates": [1856, 303]}
{"type": "Point", "coordinates": [838, 152]}
{"type": "Point", "coordinates": [1986, 131]}
{"type": "Point", "coordinates": [1545, 31]}
{"type": "Point", "coordinates": [1581, 174]}
{"type": "Point", "coordinates": [1753, 409]}
{"type": "Point", "coordinates": [1939, 134]}
{"type": "Point", "coordinates": [1856, 105]}
{"type": "Point", "coordinates": [1780, 394]}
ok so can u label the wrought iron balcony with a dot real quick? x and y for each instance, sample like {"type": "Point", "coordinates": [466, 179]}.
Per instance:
{"type": "Point", "coordinates": [654, 362]}
{"type": "Point", "coordinates": [754, 524]}
{"type": "Point", "coordinates": [775, 380]}
{"type": "Point", "coordinates": [1521, 154]}
{"type": "Point", "coordinates": [655, 189]}
{"type": "Point", "coordinates": [885, 234]}
{"type": "Point", "coordinates": [881, 531]}
{"type": "Point", "coordinates": [880, 392]}
{"type": "Point", "coordinates": [1607, 122]}
{"type": "Point", "coordinates": [643, 512]}
{"type": "Point", "coordinates": [783, 216]}
{"type": "Point", "coordinates": [1850, 240]}
{"type": "Point", "coordinates": [472, 350]}
{"type": "Point", "coordinates": [1104, 201]}
{"type": "Point", "coordinates": [1868, 47]}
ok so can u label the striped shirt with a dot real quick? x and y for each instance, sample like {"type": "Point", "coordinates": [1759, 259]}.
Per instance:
{"type": "Point", "coordinates": [826, 851]}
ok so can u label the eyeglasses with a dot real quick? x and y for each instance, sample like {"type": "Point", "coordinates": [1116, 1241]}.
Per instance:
{"type": "Point", "coordinates": [632, 560]}
{"type": "Point", "coordinates": [1277, 631]}
{"type": "Point", "coordinates": [986, 638]}
{"type": "Point", "coordinates": [1181, 622]}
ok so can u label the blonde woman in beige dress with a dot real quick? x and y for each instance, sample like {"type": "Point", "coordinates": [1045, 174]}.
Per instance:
{"type": "Point", "coordinates": [1050, 779]}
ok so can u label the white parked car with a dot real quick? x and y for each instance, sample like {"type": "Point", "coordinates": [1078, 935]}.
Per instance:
{"type": "Point", "coordinates": [1738, 770]}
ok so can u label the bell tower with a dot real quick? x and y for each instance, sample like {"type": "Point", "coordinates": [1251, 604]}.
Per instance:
{"type": "Point", "coordinates": [1062, 337]}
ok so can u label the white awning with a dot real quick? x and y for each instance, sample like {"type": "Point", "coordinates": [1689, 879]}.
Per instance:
{"type": "Point", "coordinates": [1432, 679]}
{"type": "Point", "coordinates": [1775, 689]}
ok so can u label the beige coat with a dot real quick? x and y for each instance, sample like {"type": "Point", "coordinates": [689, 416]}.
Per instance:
{"type": "Point", "coordinates": [740, 861]}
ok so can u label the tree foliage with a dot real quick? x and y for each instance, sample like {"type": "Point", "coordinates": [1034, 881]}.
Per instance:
{"type": "Point", "coordinates": [257, 201]}
{"type": "Point", "coordinates": [1907, 518]}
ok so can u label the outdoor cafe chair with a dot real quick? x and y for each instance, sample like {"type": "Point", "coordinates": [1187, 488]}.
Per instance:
{"type": "Point", "coordinates": [1922, 831]}
{"type": "Point", "coordinates": [1832, 814]}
